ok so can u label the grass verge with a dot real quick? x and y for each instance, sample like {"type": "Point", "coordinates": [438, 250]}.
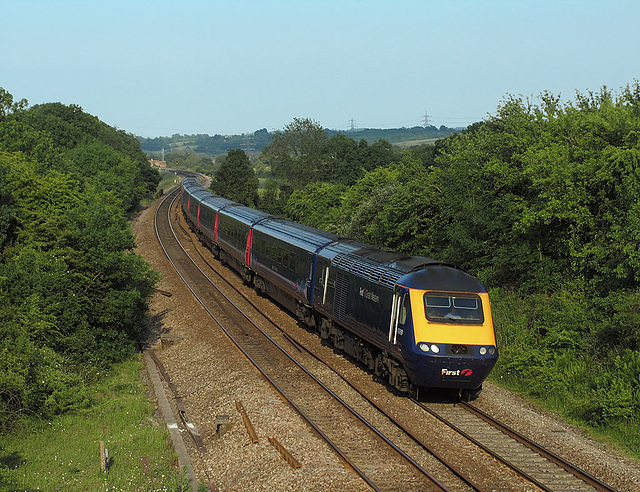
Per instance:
{"type": "Point", "coordinates": [64, 453]}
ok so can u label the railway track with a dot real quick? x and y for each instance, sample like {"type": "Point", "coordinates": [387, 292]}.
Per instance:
{"type": "Point", "coordinates": [533, 462]}
{"type": "Point", "coordinates": [372, 455]}
{"type": "Point", "coordinates": [534, 465]}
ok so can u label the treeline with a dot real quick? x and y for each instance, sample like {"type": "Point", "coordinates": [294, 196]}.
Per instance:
{"type": "Point", "coordinates": [253, 143]}
{"type": "Point", "coordinates": [542, 203]}
{"type": "Point", "coordinates": [302, 153]}
{"type": "Point", "coordinates": [72, 292]}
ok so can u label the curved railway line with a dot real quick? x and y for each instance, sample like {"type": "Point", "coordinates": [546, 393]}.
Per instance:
{"type": "Point", "coordinates": [364, 448]}
{"type": "Point", "coordinates": [511, 461]}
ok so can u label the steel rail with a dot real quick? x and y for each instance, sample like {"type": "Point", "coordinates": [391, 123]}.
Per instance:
{"type": "Point", "coordinates": [308, 419]}
{"type": "Point", "coordinates": [488, 450]}
{"type": "Point", "coordinates": [551, 456]}
{"type": "Point", "coordinates": [567, 467]}
{"type": "Point", "coordinates": [301, 348]}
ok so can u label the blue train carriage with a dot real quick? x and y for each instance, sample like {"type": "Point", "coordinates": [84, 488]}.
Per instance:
{"type": "Point", "coordinates": [234, 236]}
{"type": "Point", "coordinates": [354, 296]}
{"type": "Point", "coordinates": [200, 207]}
{"type": "Point", "coordinates": [192, 193]}
{"type": "Point", "coordinates": [185, 186]}
{"type": "Point", "coordinates": [208, 220]}
{"type": "Point", "coordinates": [282, 259]}
{"type": "Point", "coordinates": [403, 319]}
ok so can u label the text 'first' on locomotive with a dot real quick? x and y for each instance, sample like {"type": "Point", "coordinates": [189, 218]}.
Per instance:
{"type": "Point", "coordinates": [413, 321]}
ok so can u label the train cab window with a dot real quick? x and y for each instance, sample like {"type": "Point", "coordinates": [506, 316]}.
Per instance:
{"type": "Point", "coordinates": [443, 307]}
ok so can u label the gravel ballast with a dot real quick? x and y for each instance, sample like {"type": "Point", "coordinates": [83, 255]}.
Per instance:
{"type": "Point", "coordinates": [212, 375]}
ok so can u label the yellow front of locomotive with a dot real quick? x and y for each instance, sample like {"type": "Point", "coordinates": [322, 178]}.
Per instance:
{"type": "Point", "coordinates": [454, 342]}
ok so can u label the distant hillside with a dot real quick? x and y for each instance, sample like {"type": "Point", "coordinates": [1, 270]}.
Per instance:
{"type": "Point", "coordinates": [398, 135]}
{"type": "Point", "coordinates": [258, 140]}
{"type": "Point", "coordinates": [206, 144]}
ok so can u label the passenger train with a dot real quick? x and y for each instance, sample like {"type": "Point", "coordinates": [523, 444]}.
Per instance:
{"type": "Point", "coordinates": [413, 321]}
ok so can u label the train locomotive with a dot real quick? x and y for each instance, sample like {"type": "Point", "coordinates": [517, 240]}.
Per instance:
{"type": "Point", "coordinates": [413, 321]}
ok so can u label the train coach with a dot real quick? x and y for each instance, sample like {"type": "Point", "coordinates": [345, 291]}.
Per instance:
{"type": "Point", "coordinates": [413, 321]}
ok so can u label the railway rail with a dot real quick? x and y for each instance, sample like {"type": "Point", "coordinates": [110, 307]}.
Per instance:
{"type": "Point", "coordinates": [528, 459]}
{"type": "Point", "coordinates": [380, 463]}
{"type": "Point", "coordinates": [531, 462]}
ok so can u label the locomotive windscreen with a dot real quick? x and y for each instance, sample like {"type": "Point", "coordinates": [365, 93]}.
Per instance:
{"type": "Point", "coordinates": [442, 307]}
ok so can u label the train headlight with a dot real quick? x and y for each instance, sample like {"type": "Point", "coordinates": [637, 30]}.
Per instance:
{"type": "Point", "coordinates": [425, 347]}
{"type": "Point", "coordinates": [492, 350]}
{"type": "Point", "coordinates": [483, 350]}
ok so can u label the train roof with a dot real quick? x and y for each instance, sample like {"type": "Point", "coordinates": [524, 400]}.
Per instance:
{"type": "Point", "coordinates": [389, 268]}
{"type": "Point", "coordinates": [443, 278]}
{"type": "Point", "coordinates": [191, 182]}
{"type": "Point", "coordinates": [216, 202]}
{"type": "Point", "coordinates": [198, 193]}
{"type": "Point", "coordinates": [246, 215]}
{"type": "Point", "coordinates": [192, 186]}
{"type": "Point", "coordinates": [302, 236]}
{"type": "Point", "coordinates": [364, 260]}
{"type": "Point", "coordinates": [345, 248]}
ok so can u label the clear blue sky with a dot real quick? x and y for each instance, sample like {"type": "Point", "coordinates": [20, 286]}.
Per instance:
{"type": "Point", "coordinates": [159, 67]}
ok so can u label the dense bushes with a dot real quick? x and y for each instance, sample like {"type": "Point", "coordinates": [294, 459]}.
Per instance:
{"type": "Point", "coordinates": [562, 187]}
{"type": "Point", "coordinates": [542, 203]}
{"type": "Point", "coordinates": [72, 292]}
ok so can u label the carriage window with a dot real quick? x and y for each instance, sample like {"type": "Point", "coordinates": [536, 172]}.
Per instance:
{"type": "Point", "coordinates": [453, 308]}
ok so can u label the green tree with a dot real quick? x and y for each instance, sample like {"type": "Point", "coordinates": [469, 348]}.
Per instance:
{"type": "Point", "coordinates": [393, 206]}
{"type": "Point", "coordinates": [275, 196]}
{"type": "Point", "coordinates": [379, 153]}
{"type": "Point", "coordinates": [72, 291]}
{"type": "Point", "coordinates": [297, 153]}
{"type": "Point", "coordinates": [235, 179]}
{"type": "Point", "coordinates": [344, 161]}
{"type": "Point", "coordinates": [364, 204]}
{"type": "Point", "coordinates": [8, 105]}
{"type": "Point", "coordinates": [102, 167]}
{"type": "Point", "coordinates": [318, 205]}
{"type": "Point", "coordinates": [7, 210]}
{"type": "Point", "coordinates": [69, 129]}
